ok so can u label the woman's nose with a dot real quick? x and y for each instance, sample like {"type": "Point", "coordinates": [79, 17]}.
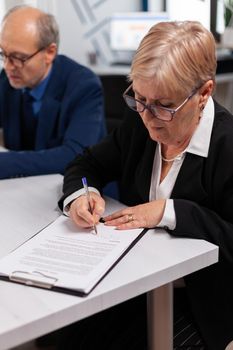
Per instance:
{"type": "Point", "coordinates": [147, 115]}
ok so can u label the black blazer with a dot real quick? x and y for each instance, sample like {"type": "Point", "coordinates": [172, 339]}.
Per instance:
{"type": "Point", "coordinates": [203, 201]}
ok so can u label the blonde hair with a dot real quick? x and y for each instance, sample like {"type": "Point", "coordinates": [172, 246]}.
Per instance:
{"type": "Point", "coordinates": [177, 56]}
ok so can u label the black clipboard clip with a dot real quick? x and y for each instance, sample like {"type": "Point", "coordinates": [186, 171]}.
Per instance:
{"type": "Point", "coordinates": [34, 278]}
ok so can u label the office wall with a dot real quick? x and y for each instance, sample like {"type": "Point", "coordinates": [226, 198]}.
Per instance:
{"type": "Point", "coordinates": [84, 28]}
{"type": "Point", "coordinates": [155, 5]}
{"type": "Point", "coordinates": [2, 9]}
{"type": "Point", "coordinates": [10, 3]}
{"type": "Point", "coordinates": [84, 25]}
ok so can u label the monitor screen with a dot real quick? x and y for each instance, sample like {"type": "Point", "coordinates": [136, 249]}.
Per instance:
{"type": "Point", "coordinates": [209, 12]}
{"type": "Point", "coordinates": [220, 23]}
{"type": "Point", "coordinates": [194, 10]}
{"type": "Point", "coordinates": [127, 29]}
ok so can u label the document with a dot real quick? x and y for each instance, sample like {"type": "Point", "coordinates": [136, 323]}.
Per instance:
{"type": "Point", "coordinates": [63, 257]}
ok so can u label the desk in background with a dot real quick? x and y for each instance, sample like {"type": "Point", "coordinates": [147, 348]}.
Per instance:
{"type": "Point", "coordinates": [29, 204]}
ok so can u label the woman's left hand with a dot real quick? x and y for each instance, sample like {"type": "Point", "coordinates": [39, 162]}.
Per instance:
{"type": "Point", "coordinates": [146, 215]}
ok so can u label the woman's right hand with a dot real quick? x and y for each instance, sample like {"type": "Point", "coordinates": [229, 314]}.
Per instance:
{"type": "Point", "coordinates": [80, 213]}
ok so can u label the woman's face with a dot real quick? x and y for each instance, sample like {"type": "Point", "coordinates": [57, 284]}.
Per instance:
{"type": "Point", "coordinates": [180, 129]}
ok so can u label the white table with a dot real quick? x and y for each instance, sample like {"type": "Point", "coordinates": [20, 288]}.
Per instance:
{"type": "Point", "coordinates": [27, 205]}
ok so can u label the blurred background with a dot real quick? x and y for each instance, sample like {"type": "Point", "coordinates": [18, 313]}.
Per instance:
{"type": "Point", "coordinates": [104, 34]}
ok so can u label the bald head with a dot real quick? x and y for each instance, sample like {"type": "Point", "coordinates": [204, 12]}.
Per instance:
{"type": "Point", "coordinates": [21, 22]}
{"type": "Point", "coordinates": [32, 23]}
{"type": "Point", "coordinates": [23, 10]}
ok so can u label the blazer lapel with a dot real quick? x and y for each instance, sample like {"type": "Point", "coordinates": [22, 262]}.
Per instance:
{"type": "Point", "coordinates": [47, 119]}
{"type": "Point", "coordinates": [144, 169]}
{"type": "Point", "coordinates": [49, 112]}
{"type": "Point", "coordinates": [189, 183]}
{"type": "Point", "coordinates": [12, 119]}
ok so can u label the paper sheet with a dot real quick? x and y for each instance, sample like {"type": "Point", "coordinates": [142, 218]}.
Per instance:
{"type": "Point", "coordinates": [69, 257]}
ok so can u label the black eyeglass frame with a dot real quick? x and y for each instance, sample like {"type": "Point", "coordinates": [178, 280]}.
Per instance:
{"type": "Point", "coordinates": [21, 61]}
{"type": "Point", "coordinates": [172, 111]}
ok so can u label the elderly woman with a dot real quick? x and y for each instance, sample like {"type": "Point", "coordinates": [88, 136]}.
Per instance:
{"type": "Point", "coordinates": [173, 158]}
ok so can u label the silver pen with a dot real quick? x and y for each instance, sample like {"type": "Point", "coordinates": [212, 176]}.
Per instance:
{"type": "Point", "coordinates": [85, 186]}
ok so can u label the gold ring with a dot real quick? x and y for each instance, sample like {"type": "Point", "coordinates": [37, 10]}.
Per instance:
{"type": "Point", "coordinates": [130, 217]}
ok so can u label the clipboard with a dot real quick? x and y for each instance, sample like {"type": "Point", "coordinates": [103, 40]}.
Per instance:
{"type": "Point", "coordinates": [66, 259]}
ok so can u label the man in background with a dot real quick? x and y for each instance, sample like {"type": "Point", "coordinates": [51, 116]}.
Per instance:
{"type": "Point", "coordinates": [50, 106]}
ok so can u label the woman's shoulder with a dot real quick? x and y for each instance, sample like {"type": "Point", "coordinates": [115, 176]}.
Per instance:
{"type": "Point", "coordinates": [222, 112]}
{"type": "Point", "coordinates": [222, 117]}
{"type": "Point", "coordinates": [222, 133]}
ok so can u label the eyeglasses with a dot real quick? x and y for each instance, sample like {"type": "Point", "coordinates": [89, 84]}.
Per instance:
{"type": "Point", "coordinates": [159, 112]}
{"type": "Point", "coordinates": [17, 61]}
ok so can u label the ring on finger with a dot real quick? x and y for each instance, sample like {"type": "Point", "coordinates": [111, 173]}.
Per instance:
{"type": "Point", "coordinates": [130, 218]}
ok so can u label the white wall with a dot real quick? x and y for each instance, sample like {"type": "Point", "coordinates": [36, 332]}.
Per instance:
{"type": "Point", "coordinates": [88, 28]}
{"type": "Point", "coordinates": [84, 25]}
{"type": "Point", "coordinates": [2, 9]}
{"type": "Point", "coordinates": [11, 3]}
{"type": "Point", "coordinates": [155, 5]}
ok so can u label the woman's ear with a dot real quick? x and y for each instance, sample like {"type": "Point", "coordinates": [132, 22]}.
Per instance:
{"type": "Point", "coordinates": [205, 92]}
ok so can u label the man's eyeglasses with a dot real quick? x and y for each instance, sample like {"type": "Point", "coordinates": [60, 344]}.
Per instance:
{"type": "Point", "coordinates": [17, 61]}
{"type": "Point", "coordinates": [159, 112]}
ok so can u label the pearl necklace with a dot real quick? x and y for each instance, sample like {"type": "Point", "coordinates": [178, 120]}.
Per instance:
{"type": "Point", "coordinates": [178, 157]}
